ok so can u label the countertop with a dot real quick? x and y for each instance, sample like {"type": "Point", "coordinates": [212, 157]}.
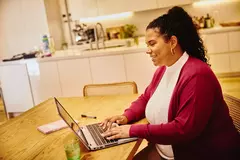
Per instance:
{"type": "Point", "coordinates": [62, 55]}
{"type": "Point", "coordinates": [78, 52]}
{"type": "Point", "coordinates": [219, 30]}
{"type": "Point", "coordinates": [18, 62]}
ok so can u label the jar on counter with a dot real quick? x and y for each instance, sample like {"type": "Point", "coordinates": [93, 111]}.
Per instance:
{"type": "Point", "coordinates": [208, 21]}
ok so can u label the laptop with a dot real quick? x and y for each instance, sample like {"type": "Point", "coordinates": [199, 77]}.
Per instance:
{"type": "Point", "coordinates": [89, 135]}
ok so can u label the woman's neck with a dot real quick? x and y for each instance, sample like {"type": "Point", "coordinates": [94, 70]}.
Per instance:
{"type": "Point", "coordinates": [175, 57]}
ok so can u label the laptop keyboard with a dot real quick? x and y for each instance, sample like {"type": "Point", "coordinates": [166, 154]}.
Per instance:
{"type": "Point", "coordinates": [96, 132]}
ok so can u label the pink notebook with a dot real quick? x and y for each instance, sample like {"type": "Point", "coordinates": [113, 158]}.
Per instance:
{"type": "Point", "coordinates": [53, 126]}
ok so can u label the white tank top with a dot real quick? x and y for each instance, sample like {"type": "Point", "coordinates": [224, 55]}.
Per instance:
{"type": "Point", "coordinates": [157, 107]}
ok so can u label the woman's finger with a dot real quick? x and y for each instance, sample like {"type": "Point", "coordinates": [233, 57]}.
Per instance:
{"type": "Point", "coordinates": [109, 133]}
{"type": "Point", "coordinates": [111, 121]}
{"type": "Point", "coordinates": [116, 129]}
{"type": "Point", "coordinates": [105, 123]}
{"type": "Point", "coordinates": [114, 125]}
{"type": "Point", "coordinates": [120, 121]}
{"type": "Point", "coordinates": [116, 136]}
{"type": "Point", "coordinates": [101, 124]}
{"type": "Point", "coordinates": [109, 125]}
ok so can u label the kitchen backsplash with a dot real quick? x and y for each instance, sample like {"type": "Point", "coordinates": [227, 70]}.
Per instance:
{"type": "Point", "coordinates": [227, 12]}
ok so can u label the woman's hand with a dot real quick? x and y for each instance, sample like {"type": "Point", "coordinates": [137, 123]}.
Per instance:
{"type": "Point", "coordinates": [119, 119]}
{"type": "Point", "coordinates": [117, 132]}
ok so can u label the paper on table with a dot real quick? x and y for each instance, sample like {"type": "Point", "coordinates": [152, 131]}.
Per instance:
{"type": "Point", "coordinates": [53, 126]}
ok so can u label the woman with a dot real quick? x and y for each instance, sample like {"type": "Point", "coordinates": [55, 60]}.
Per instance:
{"type": "Point", "coordinates": [184, 105]}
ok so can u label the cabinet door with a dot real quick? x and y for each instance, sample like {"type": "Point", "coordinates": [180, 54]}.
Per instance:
{"type": "Point", "coordinates": [140, 5]}
{"type": "Point", "coordinates": [74, 74]}
{"type": "Point", "coordinates": [107, 69]}
{"type": "Point", "coordinates": [106, 7]}
{"type": "Point", "coordinates": [216, 43]}
{"type": "Point", "coordinates": [234, 41]}
{"type": "Point", "coordinates": [44, 80]}
{"type": "Point", "coordinates": [139, 68]}
{"type": "Point", "coordinates": [235, 62]}
{"type": "Point", "coordinates": [16, 88]}
{"type": "Point", "coordinates": [220, 63]}
{"type": "Point", "coordinates": [171, 3]}
{"type": "Point", "coordinates": [83, 8]}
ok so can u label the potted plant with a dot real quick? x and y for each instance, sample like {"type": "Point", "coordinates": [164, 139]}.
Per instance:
{"type": "Point", "coordinates": [129, 30]}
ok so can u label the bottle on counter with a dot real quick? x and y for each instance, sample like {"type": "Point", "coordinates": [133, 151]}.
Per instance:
{"type": "Point", "coordinates": [208, 21]}
{"type": "Point", "coordinates": [45, 45]}
{"type": "Point", "coordinates": [48, 46]}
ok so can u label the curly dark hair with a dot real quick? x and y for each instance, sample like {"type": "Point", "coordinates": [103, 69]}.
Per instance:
{"type": "Point", "coordinates": [177, 22]}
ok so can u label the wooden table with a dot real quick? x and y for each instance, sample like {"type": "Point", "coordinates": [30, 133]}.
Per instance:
{"type": "Point", "coordinates": [20, 139]}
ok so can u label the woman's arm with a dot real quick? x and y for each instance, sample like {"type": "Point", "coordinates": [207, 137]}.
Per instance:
{"type": "Point", "coordinates": [195, 107]}
{"type": "Point", "coordinates": [137, 109]}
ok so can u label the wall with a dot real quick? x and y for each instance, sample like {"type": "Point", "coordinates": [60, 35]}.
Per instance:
{"type": "Point", "coordinates": [228, 11]}
{"type": "Point", "coordinates": [55, 23]}
{"type": "Point", "coordinates": [22, 24]}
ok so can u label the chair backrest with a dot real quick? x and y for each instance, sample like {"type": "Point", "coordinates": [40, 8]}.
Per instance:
{"type": "Point", "coordinates": [110, 89]}
{"type": "Point", "coordinates": [234, 109]}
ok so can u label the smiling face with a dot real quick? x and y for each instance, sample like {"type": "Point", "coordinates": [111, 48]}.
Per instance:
{"type": "Point", "coordinates": [158, 49]}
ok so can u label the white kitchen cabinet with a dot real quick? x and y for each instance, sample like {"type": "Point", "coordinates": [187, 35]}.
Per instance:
{"type": "Point", "coordinates": [16, 88]}
{"type": "Point", "coordinates": [234, 41]}
{"type": "Point", "coordinates": [139, 68]}
{"type": "Point", "coordinates": [107, 69]}
{"type": "Point", "coordinates": [106, 7]}
{"type": "Point", "coordinates": [220, 63]}
{"type": "Point", "coordinates": [216, 43]}
{"type": "Point", "coordinates": [83, 8]}
{"type": "Point", "coordinates": [171, 3]}
{"type": "Point", "coordinates": [44, 80]}
{"type": "Point", "coordinates": [235, 62]}
{"type": "Point", "coordinates": [74, 74]}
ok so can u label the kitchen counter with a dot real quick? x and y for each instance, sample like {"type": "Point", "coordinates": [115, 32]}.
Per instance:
{"type": "Point", "coordinates": [78, 54]}
{"type": "Point", "coordinates": [18, 62]}
{"type": "Point", "coordinates": [219, 30]}
{"type": "Point", "coordinates": [82, 51]}
{"type": "Point", "coordinates": [79, 51]}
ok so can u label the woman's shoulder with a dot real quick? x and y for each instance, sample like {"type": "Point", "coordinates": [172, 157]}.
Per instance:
{"type": "Point", "coordinates": [195, 68]}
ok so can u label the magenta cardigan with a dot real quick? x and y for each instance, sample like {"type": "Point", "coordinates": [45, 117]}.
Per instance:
{"type": "Point", "coordinates": [199, 125]}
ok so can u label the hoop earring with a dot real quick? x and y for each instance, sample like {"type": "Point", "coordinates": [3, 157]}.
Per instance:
{"type": "Point", "coordinates": [172, 51]}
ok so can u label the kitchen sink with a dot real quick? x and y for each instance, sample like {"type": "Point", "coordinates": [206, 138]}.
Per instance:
{"type": "Point", "coordinates": [108, 47]}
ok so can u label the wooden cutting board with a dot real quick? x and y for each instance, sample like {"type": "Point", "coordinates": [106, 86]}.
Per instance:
{"type": "Point", "coordinates": [228, 24]}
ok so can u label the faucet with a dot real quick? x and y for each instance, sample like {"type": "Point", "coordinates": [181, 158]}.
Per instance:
{"type": "Point", "coordinates": [99, 35]}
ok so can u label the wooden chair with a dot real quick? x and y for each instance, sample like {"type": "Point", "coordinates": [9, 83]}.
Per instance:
{"type": "Point", "coordinates": [110, 89]}
{"type": "Point", "coordinates": [234, 109]}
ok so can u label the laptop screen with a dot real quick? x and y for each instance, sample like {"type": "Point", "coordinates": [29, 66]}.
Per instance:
{"type": "Point", "coordinates": [69, 120]}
